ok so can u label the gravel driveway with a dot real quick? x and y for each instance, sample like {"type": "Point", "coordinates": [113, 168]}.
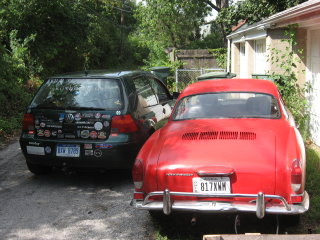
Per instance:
{"type": "Point", "coordinates": [91, 206]}
{"type": "Point", "coordinates": [62, 206]}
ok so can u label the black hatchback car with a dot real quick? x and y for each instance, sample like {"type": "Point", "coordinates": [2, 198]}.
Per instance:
{"type": "Point", "coordinates": [92, 120]}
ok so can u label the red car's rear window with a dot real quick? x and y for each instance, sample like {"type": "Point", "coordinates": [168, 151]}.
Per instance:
{"type": "Point", "coordinates": [227, 105]}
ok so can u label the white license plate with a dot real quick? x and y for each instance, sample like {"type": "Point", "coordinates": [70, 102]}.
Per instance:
{"type": "Point", "coordinates": [211, 185]}
{"type": "Point", "coordinates": [68, 150]}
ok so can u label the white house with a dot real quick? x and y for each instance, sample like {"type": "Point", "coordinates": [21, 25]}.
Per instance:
{"type": "Point", "coordinates": [249, 46]}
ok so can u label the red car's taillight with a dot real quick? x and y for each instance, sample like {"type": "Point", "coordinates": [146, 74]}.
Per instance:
{"type": "Point", "coordinates": [296, 175]}
{"type": "Point", "coordinates": [28, 122]}
{"type": "Point", "coordinates": [137, 174]}
{"type": "Point", "coordinates": [123, 124]}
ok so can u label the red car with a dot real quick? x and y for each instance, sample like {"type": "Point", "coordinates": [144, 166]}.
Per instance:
{"type": "Point", "coordinates": [230, 146]}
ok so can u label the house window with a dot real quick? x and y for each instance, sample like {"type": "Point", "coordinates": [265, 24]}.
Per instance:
{"type": "Point", "coordinates": [260, 56]}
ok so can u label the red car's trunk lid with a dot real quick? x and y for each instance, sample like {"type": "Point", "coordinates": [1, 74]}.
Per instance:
{"type": "Point", "coordinates": [246, 157]}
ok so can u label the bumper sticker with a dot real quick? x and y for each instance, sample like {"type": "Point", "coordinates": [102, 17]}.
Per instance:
{"type": "Point", "coordinates": [97, 153]}
{"type": "Point", "coordinates": [87, 146]}
{"type": "Point", "coordinates": [47, 149]}
{"type": "Point", "coordinates": [87, 115]}
{"type": "Point", "coordinates": [97, 115]}
{"type": "Point", "coordinates": [60, 135]}
{"type": "Point", "coordinates": [85, 134]}
{"type": "Point", "coordinates": [104, 146]}
{"type": "Point", "coordinates": [102, 135]}
{"type": "Point", "coordinates": [47, 133]}
{"type": "Point", "coordinates": [93, 134]}
{"type": "Point", "coordinates": [98, 126]}
{"type": "Point", "coordinates": [35, 150]}
{"type": "Point", "coordinates": [61, 117]}
{"type": "Point", "coordinates": [77, 116]}
{"type": "Point", "coordinates": [40, 133]}
{"type": "Point", "coordinates": [70, 136]}
{"type": "Point", "coordinates": [88, 152]}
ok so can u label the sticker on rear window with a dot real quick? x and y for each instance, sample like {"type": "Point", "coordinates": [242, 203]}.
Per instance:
{"type": "Point", "coordinates": [61, 117]}
{"type": "Point", "coordinates": [85, 133]}
{"type": "Point", "coordinates": [77, 116]}
{"type": "Point", "coordinates": [93, 134]}
{"type": "Point", "coordinates": [98, 126]}
{"type": "Point", "coordinates": [97, 115]}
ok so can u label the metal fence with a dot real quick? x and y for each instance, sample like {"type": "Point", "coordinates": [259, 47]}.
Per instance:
{"type": "Point", "coordinates": [184, 77]}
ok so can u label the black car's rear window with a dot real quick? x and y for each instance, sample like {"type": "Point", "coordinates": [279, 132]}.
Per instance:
{"type": "Point", "coordinates": [79, 93]}
{"type": "Point", "coordinates": [227, 105]}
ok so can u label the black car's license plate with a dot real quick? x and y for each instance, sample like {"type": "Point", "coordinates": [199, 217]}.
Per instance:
{"type": "Point", "coordinates": [68, 150]}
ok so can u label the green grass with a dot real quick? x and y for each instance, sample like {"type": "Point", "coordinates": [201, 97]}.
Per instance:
{"type": "Point", "coordinates": [312, 217]}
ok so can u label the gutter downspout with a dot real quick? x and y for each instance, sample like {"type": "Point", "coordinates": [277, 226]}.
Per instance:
{"type": "Point", "coordinates": [228, 55]}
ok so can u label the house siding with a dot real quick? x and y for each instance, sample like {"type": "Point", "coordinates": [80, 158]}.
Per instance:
{"type": "Point", "coordinates": [307, 18]}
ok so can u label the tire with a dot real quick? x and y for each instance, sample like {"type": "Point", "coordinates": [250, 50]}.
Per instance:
{"type": "Point", "coordinates": [38, 169]}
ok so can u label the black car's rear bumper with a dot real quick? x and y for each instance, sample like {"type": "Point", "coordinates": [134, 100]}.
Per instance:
{"type": "Point", "coordinates": [107, 156]}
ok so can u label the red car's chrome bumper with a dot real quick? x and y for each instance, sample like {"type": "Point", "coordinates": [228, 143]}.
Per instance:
{"type": "Point", "coordinates": [259, 206]}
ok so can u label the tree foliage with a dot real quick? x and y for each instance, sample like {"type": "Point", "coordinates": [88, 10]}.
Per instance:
{"type": "Point", "coordinates": [68, 35]}
{"type": "Point", "coordinates": [39, 38]}
{"type": "Point", "coordinates": [168, 23]}
{"type": "Point", "coordinates": [252, 11]}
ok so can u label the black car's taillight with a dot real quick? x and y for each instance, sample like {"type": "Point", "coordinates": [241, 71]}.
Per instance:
{"type": "Point", "coordinates": [28, 122]}
{"type": "Point", "coordinates": [123, 124]}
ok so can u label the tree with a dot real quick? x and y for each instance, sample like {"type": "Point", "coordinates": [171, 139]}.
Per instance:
{"type": "Point", "coordinates": [69, 35]}
{"type": "Point", "coordinates": [39, 38]}
{"type": "Point", "coordinates": [168, 23]}
{"type": "Point", "coordinates": [252, 11]}
{"type": "Point", "coordinates": [219, 4]}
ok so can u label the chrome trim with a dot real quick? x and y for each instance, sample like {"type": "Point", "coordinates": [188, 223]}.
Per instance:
{"type": "Point", "coordinates": [187, 194]}
{"type": "Point", "coordinates": [260, 206]}
{"type": "Point", "coordinates": [204, 174]}
{"type": "Point", "coordinates": [138, 192]}
{"type": "Point", "coordinates": [298, 195]}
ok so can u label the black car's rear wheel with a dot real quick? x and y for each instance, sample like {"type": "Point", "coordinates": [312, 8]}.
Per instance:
{"type": "Point", "coordinates": [38, 169]}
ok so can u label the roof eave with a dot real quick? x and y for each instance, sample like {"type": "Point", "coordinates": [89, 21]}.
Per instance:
{"type": "Point", "coordinates": [270, 22]}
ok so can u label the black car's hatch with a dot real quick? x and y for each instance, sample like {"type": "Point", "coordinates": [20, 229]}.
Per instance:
{"type": "Point", "coordinates": [76, 108]}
